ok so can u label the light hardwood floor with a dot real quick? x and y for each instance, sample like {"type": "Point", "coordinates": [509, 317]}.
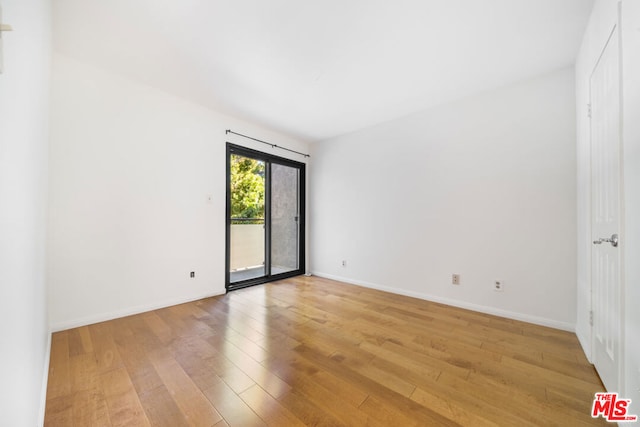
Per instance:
{"type": "Point", "coordinates": [310, 351]}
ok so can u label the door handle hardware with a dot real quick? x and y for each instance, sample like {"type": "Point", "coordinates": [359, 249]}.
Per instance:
{"type": "Point", "coordinates": [613, 240]}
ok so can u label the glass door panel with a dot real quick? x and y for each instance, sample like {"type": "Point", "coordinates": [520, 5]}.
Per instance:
{"type": "Point", "coordinates": [247, 234]}
{"type": "Point", "coordinates": [285, 215]}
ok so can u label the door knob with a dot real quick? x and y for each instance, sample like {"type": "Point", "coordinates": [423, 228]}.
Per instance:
{"type": "Point", "coordinates": [613, 240]}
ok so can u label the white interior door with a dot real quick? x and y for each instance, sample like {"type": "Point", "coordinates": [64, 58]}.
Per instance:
{"type": "Point", "coordinates": [605, 214]}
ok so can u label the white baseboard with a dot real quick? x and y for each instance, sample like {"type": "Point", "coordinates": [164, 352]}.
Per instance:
{"type": "Point", "coordinates": [75, 323]}
{"type": "Point", "coordinates": [585, 343]}
{"type": "Point", "coordinates": [456, 303]}
{"type": "Point", "coordinates": [45, 381]}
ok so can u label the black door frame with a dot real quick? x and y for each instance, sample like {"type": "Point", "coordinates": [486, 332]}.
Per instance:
{"type": "Point", "coordinates": [268, 159]}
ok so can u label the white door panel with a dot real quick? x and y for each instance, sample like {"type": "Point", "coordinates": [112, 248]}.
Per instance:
{"type": "Point", "coordinates": [605, 213]}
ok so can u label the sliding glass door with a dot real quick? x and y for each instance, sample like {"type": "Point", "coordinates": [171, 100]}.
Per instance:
{"type": "Point", "coordinates": [285, 218]}
{"type": "Point", "coordinates": [265, 217]}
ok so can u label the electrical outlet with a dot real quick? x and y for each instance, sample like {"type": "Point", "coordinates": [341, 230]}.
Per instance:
{"type": "Point", "coordinates": [192, 274]}
{"type": "Point", "coordinates": [344, 262]}
{"type": "Point", "coordinates": [455, 279]}
{"type": "Point", "coordinates": [498, 285]}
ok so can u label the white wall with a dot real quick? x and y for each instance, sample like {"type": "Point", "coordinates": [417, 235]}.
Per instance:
{"type": "Point", "coordinates": [131, 169]}
{"type": "Point", "coordinates": [631, 141]}
{"type": "Point", "coordinates": [24, 94]}
{"type": "Point", "coordinates": [483, 187]}
{"type": "Point", "coordinates": [603, 18]}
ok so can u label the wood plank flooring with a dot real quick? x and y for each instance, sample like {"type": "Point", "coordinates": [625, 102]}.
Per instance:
{"type": "Point", "coordinates": [311, 351]}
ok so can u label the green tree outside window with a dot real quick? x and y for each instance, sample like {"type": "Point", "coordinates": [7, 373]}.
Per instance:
{"type": "Point", "coordinates": [247, 188]}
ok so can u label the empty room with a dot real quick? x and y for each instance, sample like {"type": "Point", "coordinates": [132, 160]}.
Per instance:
{"type": "Point", "coordinates": [251, 213]}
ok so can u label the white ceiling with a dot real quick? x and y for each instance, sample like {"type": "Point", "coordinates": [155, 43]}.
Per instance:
{"type": "Point", "coordinates": [317, 69]}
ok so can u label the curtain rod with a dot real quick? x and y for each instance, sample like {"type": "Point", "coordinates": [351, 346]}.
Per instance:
{"type": "Point", "coordinates": [268, 143]}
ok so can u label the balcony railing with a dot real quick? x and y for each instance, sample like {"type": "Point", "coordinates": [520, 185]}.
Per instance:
{"type": "Point", "coordinates": [237, 221]}
{"type": "Point", "coordinates": [247, 243]}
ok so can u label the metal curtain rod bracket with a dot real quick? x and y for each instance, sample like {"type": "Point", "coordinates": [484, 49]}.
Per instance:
{"type": "Point", "coordinates": [267, 143]}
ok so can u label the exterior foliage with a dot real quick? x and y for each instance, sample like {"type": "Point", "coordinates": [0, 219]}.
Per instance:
{"type": "Point", "coordinates": [247, 188]}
